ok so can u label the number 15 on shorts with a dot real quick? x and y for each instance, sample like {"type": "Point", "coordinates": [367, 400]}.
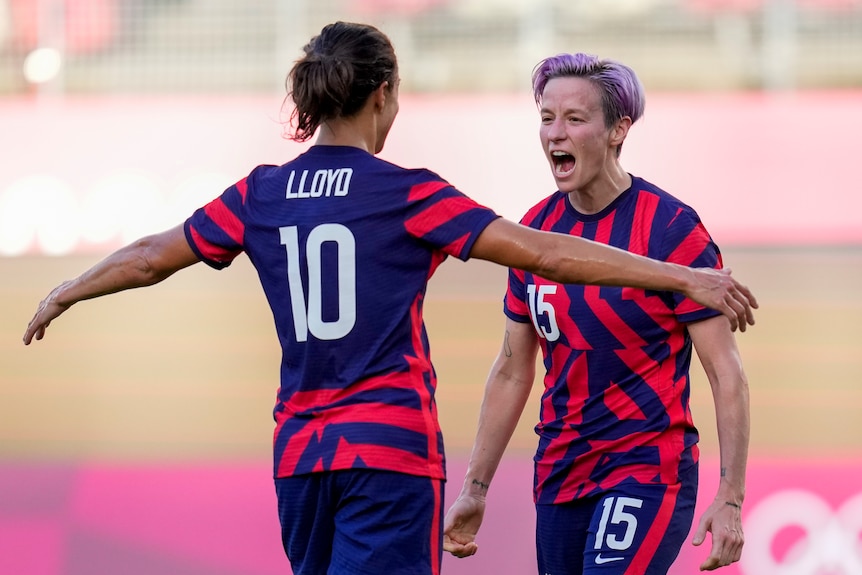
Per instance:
{"type": "Point", "coordinates": [617, 527]}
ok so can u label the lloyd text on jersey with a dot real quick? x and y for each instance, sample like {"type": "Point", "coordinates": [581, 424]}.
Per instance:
{"type": "Point", "coordinates": [320, 184]}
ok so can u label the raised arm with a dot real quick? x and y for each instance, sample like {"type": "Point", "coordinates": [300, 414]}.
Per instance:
{"type": "Point", "coordinates": [716, 348]}
{"type": "Point", "coordinates": [145, 262]}
{"type": "Point", "coordinates": [506, 392]}
{"type": "Point", "coordinates": [568, 259]}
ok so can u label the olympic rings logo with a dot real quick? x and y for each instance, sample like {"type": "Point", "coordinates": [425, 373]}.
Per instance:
{"type": "Point", "coordinates": [831, 543]}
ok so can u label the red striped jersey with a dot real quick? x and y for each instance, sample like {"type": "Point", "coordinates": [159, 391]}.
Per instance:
{"type": "Point", "coordinates": [344, 244]}
{"type": "Point", "coordinates": [616, 399]}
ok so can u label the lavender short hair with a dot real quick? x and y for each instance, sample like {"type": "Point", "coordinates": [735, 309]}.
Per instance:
{"type": "Point", "coordinates": [621, 91]}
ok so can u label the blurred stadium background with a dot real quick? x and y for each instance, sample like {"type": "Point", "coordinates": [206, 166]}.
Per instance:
{"type": "Point", "coordinates": [135, 439]}
{"type": "Point", "coordinates": [170, 46]}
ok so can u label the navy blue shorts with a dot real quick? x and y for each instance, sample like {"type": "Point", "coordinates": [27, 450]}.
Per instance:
{"type": "Point", "coordinates": [633, 528]}
{"type": "Point", "coordinates": [361, 522]}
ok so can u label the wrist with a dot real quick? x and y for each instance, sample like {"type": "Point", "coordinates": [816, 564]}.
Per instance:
{"type": "Point", "coordinates": [732, 498]}
{"type": "Point", "coordinates": [63, 295]}
{"type": "Point", "coordinates": [687, 280]}
{"type": "Point", "coordinates": [475, 488]}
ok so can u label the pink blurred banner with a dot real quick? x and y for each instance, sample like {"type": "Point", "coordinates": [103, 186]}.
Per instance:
{"type": "Point", "coordinates": [90, 174]}
{"type": "Point", "coordinates": [800, 517]}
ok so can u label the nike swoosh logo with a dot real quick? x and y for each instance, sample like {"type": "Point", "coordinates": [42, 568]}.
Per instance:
{"type": "Point", "coordinates": [602, 560]}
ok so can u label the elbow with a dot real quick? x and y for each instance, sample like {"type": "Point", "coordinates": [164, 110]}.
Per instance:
{"type": "Point", "coordinates": [144, 258]}
{"type": "Point", "coordinates": [556, 266]}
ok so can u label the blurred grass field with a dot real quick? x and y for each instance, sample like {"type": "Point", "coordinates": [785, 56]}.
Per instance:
{"type": "Point", "coordinates": [187, 370]}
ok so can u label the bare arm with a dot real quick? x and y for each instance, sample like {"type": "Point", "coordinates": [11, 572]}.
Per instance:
{"type": "Point", "coordinates": [145, 262]}
{"type": "Point", "coordinates": [506, 392]}
{"type": "Point", "coordinates": [568, 259]}
{"type": "Point", "coordinates": [716, 348]}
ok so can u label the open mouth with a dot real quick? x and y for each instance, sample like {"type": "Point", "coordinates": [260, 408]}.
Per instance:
{"type": "Point", "coordinates": [564, 163]}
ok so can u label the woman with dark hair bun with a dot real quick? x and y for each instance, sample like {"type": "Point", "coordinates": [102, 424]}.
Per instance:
{"type": "Point", "coordinates": [344, 244]}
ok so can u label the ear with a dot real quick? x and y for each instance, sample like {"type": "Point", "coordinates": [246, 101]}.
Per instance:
{"type": "Point", "coordinates": [619, 131]}
{"type": "Point", "coordinates": [379, 95]}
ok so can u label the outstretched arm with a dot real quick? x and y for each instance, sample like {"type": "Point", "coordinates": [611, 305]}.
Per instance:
{"type": "Point", "coordinates": [718, 353]}
{"type": "Point", "coordinates": [568, 259]}
{"type": "Point", "coordinates": [145, 262]}
{"type": "Point", "coordinates": [506, 392]}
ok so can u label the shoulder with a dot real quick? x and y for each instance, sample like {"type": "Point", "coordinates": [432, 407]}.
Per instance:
{"type": "Point", "coordinates": [396, 176]}
{"type": "Point", "coordinates": [540, 211]}
{"type": "Point", "coordinates": [666, 203]}
{"type": "Point", "coordinates": [262, 172]}
{"type": "Point", "coordinates": [411, 175]}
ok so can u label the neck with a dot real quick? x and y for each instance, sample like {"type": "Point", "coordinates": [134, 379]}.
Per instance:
{"type": "Point", "coordinates": [357, 131]}
{"type": "Point", "coordinates": [603, 190]}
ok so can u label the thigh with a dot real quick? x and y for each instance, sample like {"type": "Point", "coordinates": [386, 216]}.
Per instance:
{"type": "Point", "coordinates": [388, 523]}
{"type": "Point", "coordinates": [361, 522]}
{"type": "Point", "coordinates": [640, 528]}
{"type": "Point", "coordinates": [633, 528]}
{"type": "Point", "coordinates": [306, 507]}
{"type": "Point", "coordinates": [561, 536]}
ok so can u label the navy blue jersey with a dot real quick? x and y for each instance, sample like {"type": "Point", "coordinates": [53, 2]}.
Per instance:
{"type": "Point", "coordinates": [616, 396]}
{"type": "Point", "coordinates": [344, 244]}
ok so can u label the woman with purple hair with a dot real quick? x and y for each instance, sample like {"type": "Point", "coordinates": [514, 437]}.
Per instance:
{"type": "Point", "coordinates": [616, 468]}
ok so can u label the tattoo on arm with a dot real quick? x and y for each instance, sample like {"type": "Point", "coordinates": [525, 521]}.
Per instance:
{"type": "Point", "coordinates": [730, 503]}
{"type": "Point", "coordinates": [481, 484]}
{"type": "Point", "coordinates": [507, 349]}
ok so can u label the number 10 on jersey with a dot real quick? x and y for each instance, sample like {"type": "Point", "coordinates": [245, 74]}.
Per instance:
{"type": "Point", "coordinates": [310, 318]}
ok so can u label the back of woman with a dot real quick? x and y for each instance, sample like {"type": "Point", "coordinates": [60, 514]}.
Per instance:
{"type": "Point", "coordinates": [344, 244]}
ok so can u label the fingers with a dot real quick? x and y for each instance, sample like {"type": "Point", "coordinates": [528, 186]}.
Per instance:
{"type": "Point", "coordinates": [721, 556]}
{"type": "Point", "coordinates": [732, 315]}
{"type": "Point", "coordinates": [459, 550]}
{"type": "Point", "coordinates": [739, 302]}
{"type": "Point", "coordinates": [751, 304]}
{"type": "Point", "coordinates": [727, 545]}
{"type": "Point", "coordinates": [47, 311]}
{"type": "Point", "coordinates": [746, 292]}
{"type": "Point", "coordinates": [741, 306]}
{"type": "Point", "coordinates": [747, 299]}
{"type": "Point", "coordinates": [34, 331]}
{"type": "Point", "coordinates": [715, 288]}
{"type": "Point", "coordinates": [700, 534]}
{"type": "Point", "coordinates": [738, 319]}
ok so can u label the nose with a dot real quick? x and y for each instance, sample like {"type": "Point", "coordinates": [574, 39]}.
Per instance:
{"type": "Point", "coordinates": [555, 130]}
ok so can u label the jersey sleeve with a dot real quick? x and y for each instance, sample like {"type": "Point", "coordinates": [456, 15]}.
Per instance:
{"type": "Point", "coordinates": [515, 301]}
{"type": "Point", "coordinates": [444, 217]}
{"type": "Point", "coordinates": [216, 231]}
{"type": "Point", "coordinates": [686, 242]}
{"type": "Point", "coordinates": [515, 304]}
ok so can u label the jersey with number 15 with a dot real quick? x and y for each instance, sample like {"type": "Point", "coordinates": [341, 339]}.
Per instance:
{"type": "Point", "coordinates": [344, 244]}
{"type": "Point", "coordinates": [617, 382]}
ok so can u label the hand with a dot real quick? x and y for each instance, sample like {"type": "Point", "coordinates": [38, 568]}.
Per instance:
{"type": "Point", "coordinates": [47, 311]}
{"type": "Point", "coordinates": [724, 521]}
{"type": "Point", "coordinates": [717, 290]}
{"type": "Point", "coordinates": [461, 525]}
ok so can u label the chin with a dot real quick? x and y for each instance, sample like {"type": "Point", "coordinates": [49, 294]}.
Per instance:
{"type": "Point", "coordinates": [565, 186]}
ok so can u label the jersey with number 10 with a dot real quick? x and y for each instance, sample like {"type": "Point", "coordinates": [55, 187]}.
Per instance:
{"type": "Point", "coordinates": [344, 244]}
{"type": "Point", "coordinates": [616, 400]}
